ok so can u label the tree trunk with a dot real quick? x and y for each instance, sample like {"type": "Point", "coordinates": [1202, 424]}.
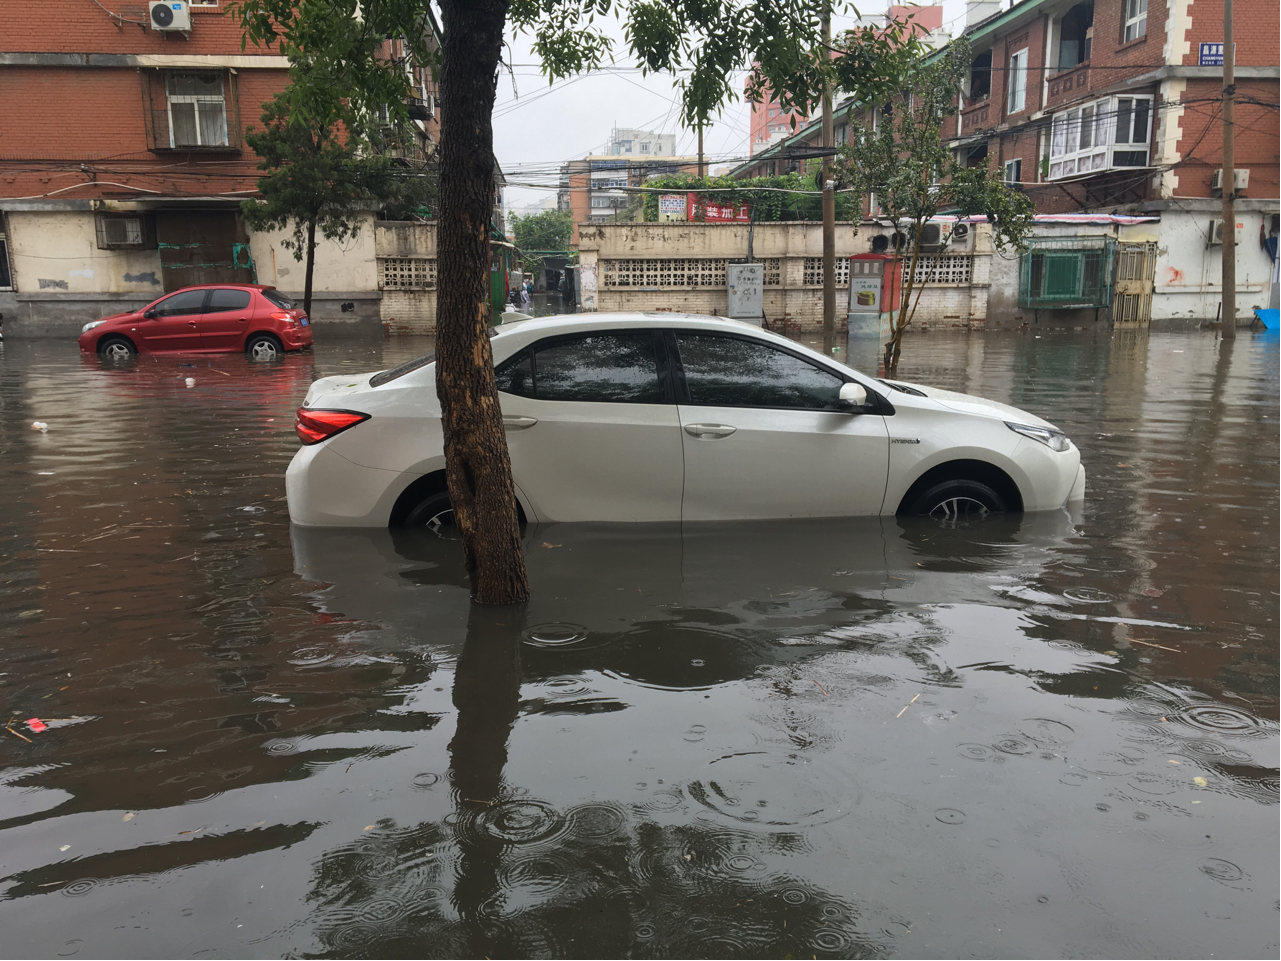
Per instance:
{"type": "Point", "coordinates": [478, 465]}
{"type": "Point", "coordinates": [311, 265]}
{"type": "Point", "coordinates": [894, 348]}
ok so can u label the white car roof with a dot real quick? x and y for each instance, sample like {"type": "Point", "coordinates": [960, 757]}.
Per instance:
{"type": "Point", "coordinates": [528, 330]}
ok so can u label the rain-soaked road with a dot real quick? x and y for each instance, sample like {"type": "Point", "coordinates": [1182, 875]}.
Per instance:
{"type": "Point", "coordinates": [1047, 737]}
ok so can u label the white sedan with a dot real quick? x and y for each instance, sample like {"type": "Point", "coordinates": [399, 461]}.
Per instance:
{"type": "Point", "coordinates": [671, 417]}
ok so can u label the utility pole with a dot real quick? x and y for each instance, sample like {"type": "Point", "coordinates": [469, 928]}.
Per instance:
{"type": "Point", "coordinates": [1228, 327]}
{"type": "Point", "coordinates": [829, 196]}
{"type": "Point", "coordinates": [700, 149]}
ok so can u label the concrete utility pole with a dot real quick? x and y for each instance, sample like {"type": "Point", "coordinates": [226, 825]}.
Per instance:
{"type": "Point", "coordinates": [1228, 327]}
{"type": "Point", "coordinates": [700, 148]}
{"type": "Point", "coordinates": [829, 198]}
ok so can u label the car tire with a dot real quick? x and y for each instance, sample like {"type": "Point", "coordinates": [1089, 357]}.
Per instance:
{"type": "Point", "coordinates": [435, 513]}
{"type": "Point", "coordinates": [264, 348]}
{"type": "Point", "coordinates": [116, 348]}
{"type": "Point", "coordinates": [954, 500]}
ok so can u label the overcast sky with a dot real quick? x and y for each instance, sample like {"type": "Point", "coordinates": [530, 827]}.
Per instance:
{"type": "Point", "coordinates": [537, 127]}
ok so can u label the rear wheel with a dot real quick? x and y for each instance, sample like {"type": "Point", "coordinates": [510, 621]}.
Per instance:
{"type": "Point", "coordinates": [954, 500]}
{"type": "Point", "coordinates": [264, 348]}
{"type": "Point", "coordinates": [116, 348]}
{"type": "Point", "coordinates": [434, 513]}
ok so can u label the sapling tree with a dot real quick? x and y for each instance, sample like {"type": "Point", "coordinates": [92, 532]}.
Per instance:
{"type": "Point", "coordinates": [899, 156]}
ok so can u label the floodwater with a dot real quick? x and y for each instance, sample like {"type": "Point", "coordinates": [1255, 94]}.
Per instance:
{"type": "Point", "coordinates": [1053, 736]}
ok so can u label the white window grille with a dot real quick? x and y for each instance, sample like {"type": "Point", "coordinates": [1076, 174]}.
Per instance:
{"type": "Point", "coordinates": [690, 272]}
{"type": "Point", "coordinates": [1100, 136]}
{"type": "Point", "coordinates": [813, 275]}
{"type": "Point", "coordinates": [1136, 20]}
{"type": "Point", "coordinates": [197, 110]}
{"type": "Point", "coordinates": [406, 273]}
{"type": "Point", "coordinates": [952, 269]}
{"type": "Point", "coordinates": [1018, 81]}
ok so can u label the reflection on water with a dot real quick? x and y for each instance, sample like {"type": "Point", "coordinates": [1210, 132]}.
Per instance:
{"type": "Point", "coordinates": [1053, 735]}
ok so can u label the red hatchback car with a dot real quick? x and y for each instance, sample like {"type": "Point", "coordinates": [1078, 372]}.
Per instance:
{"type": "Point", "coordinates": [210, 318]}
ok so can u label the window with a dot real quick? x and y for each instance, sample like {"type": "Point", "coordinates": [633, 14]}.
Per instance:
{"type": "Point", "coordinates": [1136, 20]}
{"type": "Point", "coordinates": [1083, 140]}
{"type": "Point", "coordinates": [645, 147]}
{"type": "Point", "coordinates": [1075, 32]}
{"type": "Point", "coordinates": [617, 368]}
{"type": "Point", "coordinates": [981, 77]}
{"type": "Point", "coordinates": [1018, 82]}
{"type": "Point", "coordinates": [117, 232]}
{"type": "Point", "coordinates": [279, 299]}
{"type": "Point", "coordinates": [406, 273]}
{"type": "Point", "coordinates": [180, 304]}
{"type": "Point", "coordinates": [224, 300]}
{"type": "Point", "coordinates": [1013, 171]}
{"type": "Point", "coordinates": [197, 110]}
{"type": "Point", "coordinates": [735, 372]}
{"type": "Point", "coordinates": [6, 277]}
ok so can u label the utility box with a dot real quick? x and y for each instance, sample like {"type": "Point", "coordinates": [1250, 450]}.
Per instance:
{"type": "Point", "coordinates": [746, 292]}
{"type": "Point", "coordinates": [876, 285]}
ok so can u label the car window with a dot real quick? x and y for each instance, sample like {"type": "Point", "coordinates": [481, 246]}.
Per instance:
{"type": "Point", "coordinates": [736, 372]}
{"type": "Point", "coordinates": [223, 299]}
{"type": "Point", "coordinates": [619, 368]}
{"type": "Point", "coordinates": [183, 302]}
{"type": "Point", "coordinates": [279, 299]}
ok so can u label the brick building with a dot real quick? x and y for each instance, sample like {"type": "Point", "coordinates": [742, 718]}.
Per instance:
{"type": "Point", "coordinates": [123, 164]}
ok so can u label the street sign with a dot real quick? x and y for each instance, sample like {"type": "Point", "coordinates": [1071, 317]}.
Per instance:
{"type": "Point", "coordinates": [714, 212]}
{"type": "Point", "coordinates": [1211, 55]}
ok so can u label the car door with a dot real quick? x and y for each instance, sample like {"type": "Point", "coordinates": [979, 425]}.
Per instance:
{"type": "Point", "coordinates": [225, 321]}
{"type": "Point", "coordinates": [176, 324]}
{"type": "Point", "coordinates": [592, 427]}
{"type": "Point", "coordinates": [764, 436]}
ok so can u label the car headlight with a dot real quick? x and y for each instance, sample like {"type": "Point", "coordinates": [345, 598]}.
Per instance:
{"type": "Point", "coordinates": [91, 325]}
{"type": "Point", "coordinates": [1051, 438]}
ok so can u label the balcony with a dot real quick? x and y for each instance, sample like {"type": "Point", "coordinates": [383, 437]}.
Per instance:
{"type": "Point", "coordinates": [1069, 84]}
{"type": "Point", "coordinates": [976, 114]}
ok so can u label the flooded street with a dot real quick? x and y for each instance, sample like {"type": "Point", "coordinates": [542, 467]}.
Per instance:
{"type": "Point", "coordinates": [1049, 736]}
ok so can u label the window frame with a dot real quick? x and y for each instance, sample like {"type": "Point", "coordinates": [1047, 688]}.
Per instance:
{"type": "Point", "coordinates": [146, 231]}
{"type": "Point", "coordinates": [6, 268]}
{"type": "Point", "coordinates": [682, 386]}
{"type": "Point", "coordinates": [1017, 165]}
{"type": "Point", "coordinates": [196, 100]}
{"type": "Point", "coordinates": [1104, 132]}
{"type": "Point", "coordinates": [662, 364]}
{"type": "Point", "coordinates": [1017, 82]}
{"type": "Point", "coordinates": [1139, 20]}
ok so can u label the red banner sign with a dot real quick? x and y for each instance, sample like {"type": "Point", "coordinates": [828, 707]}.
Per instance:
{"type": "Point", "coordinates": [700, 208]}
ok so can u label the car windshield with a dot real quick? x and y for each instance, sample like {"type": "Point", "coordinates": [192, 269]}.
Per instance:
{"type": "Point", "coordinates": [279, 299]}
{"type": "Point", "coordinates": [386, 376]}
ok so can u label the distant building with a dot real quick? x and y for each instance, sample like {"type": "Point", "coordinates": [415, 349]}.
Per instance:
{"type": "Point", "coordinates": [625, 141]}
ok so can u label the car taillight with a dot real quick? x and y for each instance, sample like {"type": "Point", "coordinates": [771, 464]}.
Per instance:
{"type": "Point", "coordinates": [283, 315]}
{"type": "Point", "coordinates": [313, 426]}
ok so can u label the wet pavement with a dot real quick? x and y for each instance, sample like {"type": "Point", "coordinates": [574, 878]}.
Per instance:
{"type": "Point", "coordinates": [1051, 736]}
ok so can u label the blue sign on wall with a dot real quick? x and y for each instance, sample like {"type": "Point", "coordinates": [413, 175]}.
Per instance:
{"type": "Point", "coordinates": [1211, 55]}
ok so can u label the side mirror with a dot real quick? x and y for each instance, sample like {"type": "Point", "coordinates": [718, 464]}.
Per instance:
{"type": "Point", "coordinates": [149, 314]}
{"type": "Point", "coordinates": [852, 396]}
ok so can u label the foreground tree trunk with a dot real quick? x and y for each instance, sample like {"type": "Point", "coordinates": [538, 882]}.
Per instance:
{"type": "Point", "coordinates": [311, 265]}
{"type": "Point", "coordinates": [478, 466]}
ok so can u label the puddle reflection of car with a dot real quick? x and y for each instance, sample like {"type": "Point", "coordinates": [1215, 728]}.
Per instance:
{"type": "Point", "coordinates": [215, 318]}
{"type": "Point", "coordinates": [667, 417]}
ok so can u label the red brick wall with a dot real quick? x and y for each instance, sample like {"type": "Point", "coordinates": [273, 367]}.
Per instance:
{"type": "Point", "coordinates": [1256, 27]}
{"type": "Point", "coordinates": [1031, 36]}
{"type": "Point", "coordinates": [1112, 60]}
{"type": "Point", "coordinates": [1258, 147]}
{"type": "Point", "coordinates": [81, 26]}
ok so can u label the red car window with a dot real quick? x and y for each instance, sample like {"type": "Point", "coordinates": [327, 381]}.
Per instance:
{"type": "Point", "coordinates": [183, 302]}
{"type": "Point", "coordinates": [223, 300]}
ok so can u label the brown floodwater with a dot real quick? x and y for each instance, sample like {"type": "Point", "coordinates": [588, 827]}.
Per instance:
{"type": "Point", "coordinates": [1049, 736]}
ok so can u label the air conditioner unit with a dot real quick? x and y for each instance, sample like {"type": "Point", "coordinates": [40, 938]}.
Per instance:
{"type": "Point", "coordinates": [1216, 233]}
{"type": "Point", "coordinates": [170, 16]}
{"type": "Point", "coordinates": [962, 238]}
{"type": "Point", "coordinates": [932, 238]}
{"type": "Point", "coordinates": [1240, 179]}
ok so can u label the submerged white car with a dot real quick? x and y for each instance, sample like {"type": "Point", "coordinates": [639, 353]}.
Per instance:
{"type": "Point", "coordinates": [671, 417]}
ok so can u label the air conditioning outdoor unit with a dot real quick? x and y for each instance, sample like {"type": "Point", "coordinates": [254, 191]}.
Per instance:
{"type": "Point", "coordinates": [170, 16]}
{"type": "Point", "coordinates": [962, 237]}
{"type": "Point", "coordinates": [1216, 233]}
{"type": "Point", "coordinates": [1240, 179]}
{"type": "Point", "coordinates": [932, 238]}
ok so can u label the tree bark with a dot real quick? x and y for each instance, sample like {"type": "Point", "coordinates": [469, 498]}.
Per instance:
{"type": "Point", "coordinates": [311, 265]}
{"type": "Point", "coordinates": [477, 462]}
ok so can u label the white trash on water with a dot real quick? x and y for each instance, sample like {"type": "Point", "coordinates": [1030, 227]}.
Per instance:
{"type": "Point", "coordinates": [191, 382]}
{"type": "Point", "coordinates": [40, 426]}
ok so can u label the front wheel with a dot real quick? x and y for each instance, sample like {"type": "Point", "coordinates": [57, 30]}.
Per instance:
{"type": "Point", "coordinates": [116, 348]}
{"type": "Point", "coordinates": [263, 348]}
{"type": "Point", "coordinates": [959, 500]}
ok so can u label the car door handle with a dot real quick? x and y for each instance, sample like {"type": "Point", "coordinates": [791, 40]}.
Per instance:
{"type": "Point", "coordinates": [191, 323]}
{"type": "Point", "coordinates": [518, 423]}
{"type": "Point", "coordinates": [713, 430]}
